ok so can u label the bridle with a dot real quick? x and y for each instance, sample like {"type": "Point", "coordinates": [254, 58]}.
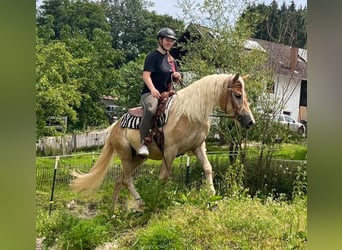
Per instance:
{"type": "Point", "coordinates": [233, 89]}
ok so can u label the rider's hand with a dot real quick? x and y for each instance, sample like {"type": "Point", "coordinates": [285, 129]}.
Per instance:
{"type": "Point", "coordinates": [176, 76]}
{"type": "Point", "coordinates": [155, 93]}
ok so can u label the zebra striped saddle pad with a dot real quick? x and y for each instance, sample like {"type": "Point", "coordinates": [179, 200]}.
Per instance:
{"type": "Point", "coordinates": [133, 121]}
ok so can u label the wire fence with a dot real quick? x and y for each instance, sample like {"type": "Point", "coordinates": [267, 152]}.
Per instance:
{"type": "Point", "coordinates": [184, 169]}
{"type": "Point", "coordinates": [53, 173]}
{"type": "Point", "coordinates": [45, 171]}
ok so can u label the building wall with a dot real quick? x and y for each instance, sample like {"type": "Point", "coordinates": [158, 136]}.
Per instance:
{"type": "Point", "coordinates": [289, 89]}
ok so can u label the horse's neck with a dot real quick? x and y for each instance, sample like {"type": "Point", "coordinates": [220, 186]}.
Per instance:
{"type": "Point", "coordinates": [197, 102]}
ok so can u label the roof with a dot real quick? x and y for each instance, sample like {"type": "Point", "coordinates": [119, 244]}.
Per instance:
{"type": "Point", "coordinates": [250, 44]}
{"type": "Point", "coordinates": [284, 59]}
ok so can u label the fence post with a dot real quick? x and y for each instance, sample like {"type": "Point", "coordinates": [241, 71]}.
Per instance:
{"type": "Point", "coordinates": [53, 183]}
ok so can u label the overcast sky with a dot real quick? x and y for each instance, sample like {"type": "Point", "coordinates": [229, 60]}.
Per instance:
{"type": "Point", "coordinates": [169, 6]}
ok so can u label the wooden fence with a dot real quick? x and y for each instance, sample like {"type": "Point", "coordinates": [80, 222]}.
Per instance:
{"type": "Point", "coordinates": [54, 145]}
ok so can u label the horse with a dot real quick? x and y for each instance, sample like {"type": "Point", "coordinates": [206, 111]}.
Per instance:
{"type": "Point", "coordinates": [185, 131]}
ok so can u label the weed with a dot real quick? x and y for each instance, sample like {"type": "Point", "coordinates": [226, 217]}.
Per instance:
{"type": "Point", "coordinates": [66, 231]}
{"type": "Point", "coordinates": [164, 235]}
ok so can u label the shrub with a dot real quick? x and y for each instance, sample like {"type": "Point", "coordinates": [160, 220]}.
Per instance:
{"type": "Point", "coordinates": [86, 234]}
{"type": "Point", "coordinates": [66, 231]}
{"type": "Point", "coordinates": [162, 235]}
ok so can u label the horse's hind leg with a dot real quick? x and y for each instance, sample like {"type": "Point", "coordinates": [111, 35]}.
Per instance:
{"type": "Point", "coordinates": [200, 152]}
{"type": "Point", "coordinates": [117, 188]}
{"type": "Point", "coordinates": [129, 167]}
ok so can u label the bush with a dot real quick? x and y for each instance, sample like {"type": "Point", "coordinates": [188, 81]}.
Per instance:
{"type": "Point", "coordinates": [163, 235]}
{"type": "Point", "coordinates": [86, 234]}
{"type": "Point", "coordinates": [66, 231]}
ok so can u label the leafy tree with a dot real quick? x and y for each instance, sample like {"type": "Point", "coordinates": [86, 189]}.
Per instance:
{"type": "Point", "coordinates": [130, 82]}
{"type": "Point", "coordinates": [57, 88]}
{"type": "Point", "coordinates": [83, 28]}
{"type": "Point", "coordinates": [75, 17]}
{"type": "Point", "coordinates": [104, 36]}
{"type": "Point", "coordinates": [221, 48]}
{"type": "Point", "coordinates": [98, 77]}
{"type": "Point", "coordinates": [286, 25]}
{"type": "Point", "coordinates": [134, 28]}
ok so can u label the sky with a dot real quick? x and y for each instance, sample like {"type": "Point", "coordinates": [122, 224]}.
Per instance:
{"type": "Point", "coordinates": [168, 7]}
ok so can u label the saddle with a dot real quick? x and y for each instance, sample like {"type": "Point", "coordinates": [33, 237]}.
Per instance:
{"type": "Point", "coordinates": [158, 134]}
{"type": "Point", "coordinates": [155, 133]}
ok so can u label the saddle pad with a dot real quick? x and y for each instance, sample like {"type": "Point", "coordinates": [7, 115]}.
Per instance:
{"type": "Point", "coordinates": [131, 121]}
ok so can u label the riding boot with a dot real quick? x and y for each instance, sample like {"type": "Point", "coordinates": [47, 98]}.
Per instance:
{"type": "Point", "coordinates": [143, 150]}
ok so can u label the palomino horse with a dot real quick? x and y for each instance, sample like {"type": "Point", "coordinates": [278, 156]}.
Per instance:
{"type": "Point", "coordinates": [185, 131]}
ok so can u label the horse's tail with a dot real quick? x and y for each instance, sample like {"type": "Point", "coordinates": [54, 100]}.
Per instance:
{"type": "Point", "coordinates": [93, 179]}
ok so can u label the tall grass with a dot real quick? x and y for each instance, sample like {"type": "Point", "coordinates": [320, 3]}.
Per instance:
{"type": "Point", "coordinates": [179, 216]}
{"type": "Point", "coordinates": [233, 223]}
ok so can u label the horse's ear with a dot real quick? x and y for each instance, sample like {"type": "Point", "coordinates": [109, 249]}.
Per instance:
{"type": "Point", "coordinates": [245, 77]}
{"type": "Point", "coordinates": [236, 77]}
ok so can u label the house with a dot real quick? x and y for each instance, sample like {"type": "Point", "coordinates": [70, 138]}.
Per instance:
{"type": "Point", "coordinates": [288, 64]}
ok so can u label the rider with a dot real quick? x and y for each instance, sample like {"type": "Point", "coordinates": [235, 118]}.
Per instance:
{"type": "Point", "coordinates": [160, 70]}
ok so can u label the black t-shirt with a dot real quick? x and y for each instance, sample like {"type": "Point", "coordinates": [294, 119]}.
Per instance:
{"type": "Point", "coordinates": [160, 69]}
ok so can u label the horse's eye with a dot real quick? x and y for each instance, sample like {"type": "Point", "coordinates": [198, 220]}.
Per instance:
{"type": "Point", "coordinates": [238, 96]}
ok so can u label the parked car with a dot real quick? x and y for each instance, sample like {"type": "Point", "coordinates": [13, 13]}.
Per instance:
{"type": "Point", "coordinates": [291, 123]}
{"type": "Point", "coordinates": [112, 113]}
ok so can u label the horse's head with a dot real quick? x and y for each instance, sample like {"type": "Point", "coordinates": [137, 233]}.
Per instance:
{"type": "Point", "coordinates": [234, 101]}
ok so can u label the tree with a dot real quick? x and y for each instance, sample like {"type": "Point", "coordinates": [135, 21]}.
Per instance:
{"type": "Point", "coordinates": [79, 17]}
{"type": "Point", "coordinates": [223, 48]}
{"type": "Point", "coordinates": [286, 25]}
{"type": "Point", "coordinates": [98, 76]}
{"type": "Point", "coordinates": [130, 82]}
{"type": "Point", "coordinates": [220, 48]}
{"type": "Point", "coordinates": [57, 88]}
{"type": "Point", "coordinates": [83, 28]}
{"type": "Point", "coordinates": [134, 28]}
{"type": "Point", "coordinates": [101, 37]}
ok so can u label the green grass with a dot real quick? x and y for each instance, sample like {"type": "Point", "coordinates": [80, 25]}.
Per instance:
{"type": "Point", "coordinates": [186, 220]}
{"type": "Point", "coordinates": [176, 216]}
{"type": "Point", "coordinates": [234, 223]}
{"type": "Point", "coordinates": [291, 152]}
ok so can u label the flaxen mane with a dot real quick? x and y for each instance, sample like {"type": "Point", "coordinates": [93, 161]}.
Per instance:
{"type": "Point", "coordinates": [199, 90]}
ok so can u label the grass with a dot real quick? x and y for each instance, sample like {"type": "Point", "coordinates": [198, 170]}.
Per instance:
{"type": "Point", "coordinates": [176, 216]}
{"type": "Point", "coordinates": [291, 152]}
{"type": "Point", "coordinates": [234, 223]}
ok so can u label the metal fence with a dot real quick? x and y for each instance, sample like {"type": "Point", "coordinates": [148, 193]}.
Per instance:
{"type": "Point", "coordinates": [53, 173]}
{"type": "Point", "coordinates": [61, 169]}
{"type": "Point", "coordinates": [184, 170]}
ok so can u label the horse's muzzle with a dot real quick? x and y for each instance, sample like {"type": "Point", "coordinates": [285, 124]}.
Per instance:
{"type": "Point", "coordinates": [246, 121]}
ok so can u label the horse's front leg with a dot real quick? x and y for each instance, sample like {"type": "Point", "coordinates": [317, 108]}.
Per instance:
{"type": "Point", "coordinates": [166, 167]}
{"type": "Point", "coordinates": [200, 152]}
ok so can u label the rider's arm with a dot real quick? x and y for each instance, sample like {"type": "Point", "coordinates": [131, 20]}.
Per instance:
{"type": "Point", "coordinates": [148, 81]}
